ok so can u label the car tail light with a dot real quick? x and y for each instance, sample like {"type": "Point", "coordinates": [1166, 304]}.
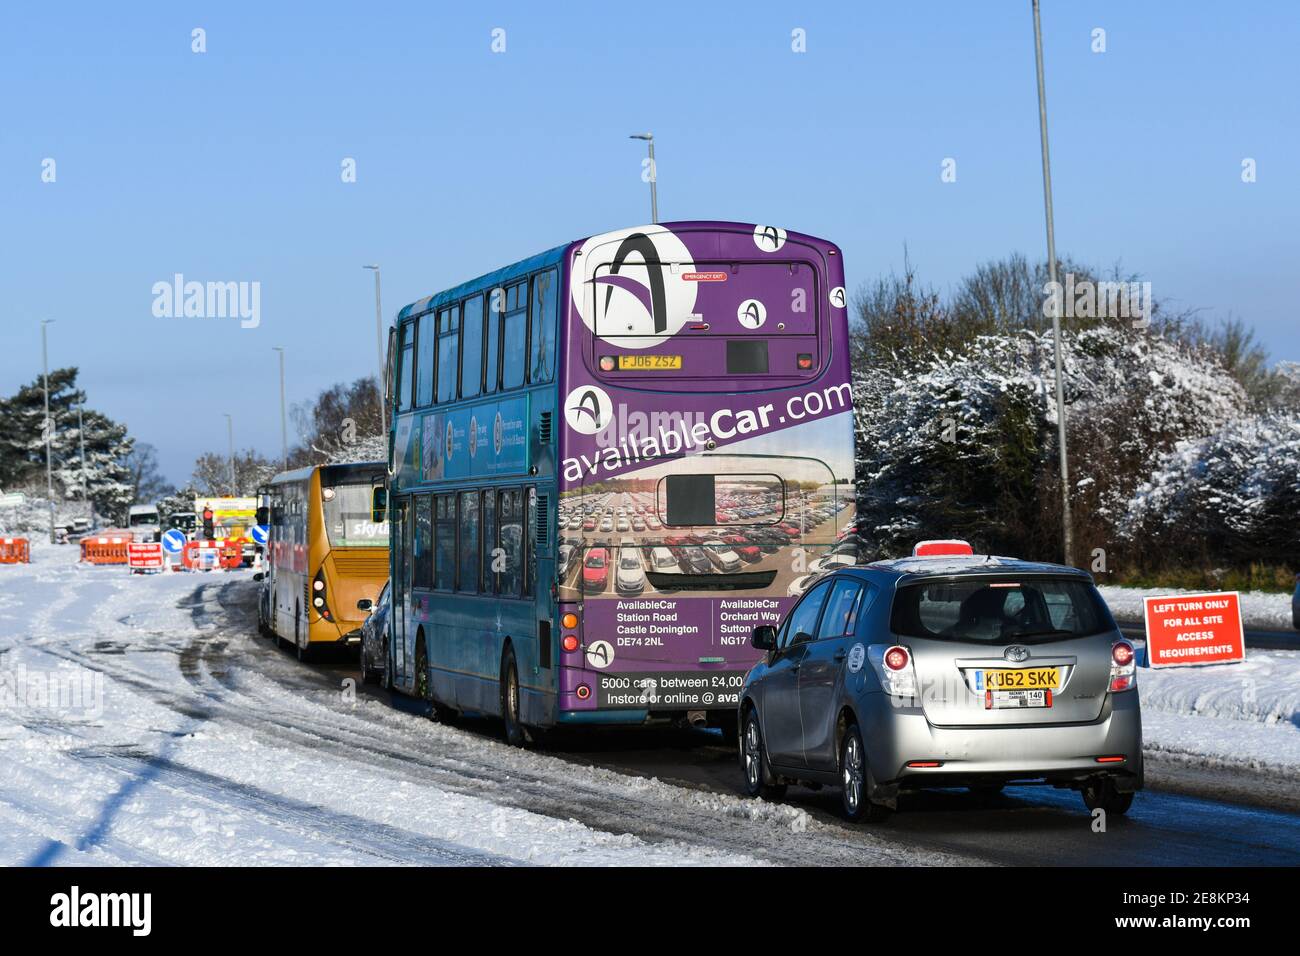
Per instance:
{"type": "Point", "coordinates": [1123, 666]}
{"type": "Point", "coordinates": [1113, 758]}
{"type": "Point", "coordinates": [897, 676]}
{"type": "Point", "coordinates": [924, 764]}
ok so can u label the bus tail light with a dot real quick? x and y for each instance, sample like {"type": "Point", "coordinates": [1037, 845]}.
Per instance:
{"type": "Point", "coordinates": [318, 600]}
{"type": "Point", "coordinates": [570, 642]}
{"type": "Point", "coordinates": [1123, 666]}
{"type": "Point", "coordinates": [804, 361]}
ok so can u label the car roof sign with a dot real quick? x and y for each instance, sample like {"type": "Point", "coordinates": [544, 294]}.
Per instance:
{"type": "Point", "coordinates": [940, 547]}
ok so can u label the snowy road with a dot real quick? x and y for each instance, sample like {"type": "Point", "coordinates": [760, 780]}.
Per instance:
{"type": "Point", "coordinates": [195, 741]}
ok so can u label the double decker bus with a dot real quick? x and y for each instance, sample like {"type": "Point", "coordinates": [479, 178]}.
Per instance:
{"type": "Point", "coordinates": [609, 462]}
{"type": "Point", "coordinates": [326, 551]}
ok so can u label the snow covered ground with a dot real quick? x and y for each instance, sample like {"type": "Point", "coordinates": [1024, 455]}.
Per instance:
{"type": "Point", "coordinates": [1259, 609]}
{"type": "Point", "coordinates": [141, 723]}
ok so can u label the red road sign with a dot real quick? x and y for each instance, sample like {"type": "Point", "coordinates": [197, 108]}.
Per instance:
{"type": "Point", "coordinates": [144, 556]}
{"type": "Point", "coordinates": [1187, 629]}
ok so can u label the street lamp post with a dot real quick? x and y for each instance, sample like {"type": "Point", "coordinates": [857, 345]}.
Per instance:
{"type": "Point", "coordinates": [654, 174]}
{"type": "Point", "coordinates": [230, 437]}
{"type": "Point", "coordinates": [47, 426]}
{"type": "Point", "coordinates": [379, 345]}
{"type": "Point", "coordinates": [85, 477]}
{"type": "Point", "coordinates": [1067, 533]}
{"type": "Point", "coordinates": [284, 427]}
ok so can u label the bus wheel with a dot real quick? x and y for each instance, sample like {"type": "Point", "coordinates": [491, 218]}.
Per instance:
{"type": "Point", "coordinates": [304, 650]}
{"type": "Point", "coordinates": [421, 671]}
{"type": "Point", "coordinates": [514, 730]}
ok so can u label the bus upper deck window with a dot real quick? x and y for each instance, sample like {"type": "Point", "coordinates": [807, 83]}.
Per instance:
{"type": "Point", "coordinates": [746, 357]}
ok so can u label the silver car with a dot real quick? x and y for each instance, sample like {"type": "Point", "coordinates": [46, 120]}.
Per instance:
{"type": "Point", "coordinates": [955, 670]}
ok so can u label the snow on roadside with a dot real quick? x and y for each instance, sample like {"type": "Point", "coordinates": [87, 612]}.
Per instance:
{"type": "Point", "coordinates": [1261, 610]}
{"type": "Point", "coordinates": [1235, 714]}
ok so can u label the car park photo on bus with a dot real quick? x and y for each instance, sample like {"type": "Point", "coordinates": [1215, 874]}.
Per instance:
{"type": "Point", "coordinates": [946, 669]}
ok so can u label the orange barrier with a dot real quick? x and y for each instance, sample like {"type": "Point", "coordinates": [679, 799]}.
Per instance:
{"type": "Point", "coordinates": [108, 547]}
{"type": "Point", "coordinates": [15, 551]}
{"type": "Point", "coordinates": [210, 555]}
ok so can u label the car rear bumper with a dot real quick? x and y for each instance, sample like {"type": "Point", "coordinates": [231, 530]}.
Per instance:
{"type": "Point", "coordinates": [1063, 754]}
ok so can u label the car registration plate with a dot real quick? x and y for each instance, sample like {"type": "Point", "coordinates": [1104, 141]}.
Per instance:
{"type": "Point", "coordinates": [1019, 678]}
{"type": "Point", "coordinates": [1003, 699]}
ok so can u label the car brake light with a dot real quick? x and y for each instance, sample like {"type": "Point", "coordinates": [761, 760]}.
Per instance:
{"type": "Point", "coordinates": [896, 658]}
{"type": "Point", "coordinates": [1123, 667]}
{"type": "Point", "coordinates": [897, 677]}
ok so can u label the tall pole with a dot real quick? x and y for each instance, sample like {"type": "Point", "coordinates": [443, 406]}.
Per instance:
{"type": "Point", "coordinates": [654, 174]}
{"type": "Point", "coordinates": [85, 477]}
{"type": "Point", "coordinates": [284, 427]}
{"type": "Point", "coordinates": [379, 345]}
{"type": "Point", "coordinates": [47, 425]}
{"type": "Point", "coordinates": [1067, 534]}
{"type": "Point", "coordinates": [230, 437]}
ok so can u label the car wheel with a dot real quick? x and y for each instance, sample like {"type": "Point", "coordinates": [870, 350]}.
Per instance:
{"type": "Point", "coordinates": [1102, 795]}
{"type": "Point", "coordinates": [367, 675]}
{"type": "Point", "coordinates": [756, 771]}
{"type": "Point", "coordinates": [854, 801]}
{"type": "Point", "coordinates": [514, 730]}
{"type": "Point", "coordinates": [386, 679]}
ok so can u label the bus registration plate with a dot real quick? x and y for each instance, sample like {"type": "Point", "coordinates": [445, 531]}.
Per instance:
{"type": "Point", "coordinates": [657, 363]}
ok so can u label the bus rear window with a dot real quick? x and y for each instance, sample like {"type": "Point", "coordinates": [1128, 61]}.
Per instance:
{"type": "Point", "coordinates": [746, 357]}
{"type": "Point", "coordinates": [350, 515]}
{"type": "Point", "coordinates": [715, 500]}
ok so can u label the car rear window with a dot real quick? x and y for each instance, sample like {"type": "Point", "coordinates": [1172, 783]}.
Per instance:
{"type": "Point", "coordinates": [997, 610]}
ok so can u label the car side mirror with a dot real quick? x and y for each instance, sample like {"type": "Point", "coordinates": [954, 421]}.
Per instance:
{"type": "Point", "coordinates": [763, 637]}
{"type": "Point", "coordinates": [365, 604]}
{"type": "Point", "coordinates": [258, 576]}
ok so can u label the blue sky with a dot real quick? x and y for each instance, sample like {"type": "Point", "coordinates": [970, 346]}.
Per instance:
{"type": "Point", "coordinates": [225, 165]}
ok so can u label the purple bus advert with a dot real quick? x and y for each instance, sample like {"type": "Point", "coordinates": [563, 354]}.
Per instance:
{"type": "Point", "coordinates": [706, 459]}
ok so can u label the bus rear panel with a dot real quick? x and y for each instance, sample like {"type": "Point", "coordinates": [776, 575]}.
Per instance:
{"type": "Point", "coordinates": [705, 463]}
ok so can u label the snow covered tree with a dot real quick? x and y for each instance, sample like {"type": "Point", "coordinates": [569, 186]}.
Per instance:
{"type": "Point", "coordinates": [956, 416]}
{"type": "Point", "coordinates": [343, 424]}
{"type": "Point", "coordinates": [106, 475]}
{"type": "Point", "coordinates": [212, 473]}
{"type": "Point", "coordinates": [1230, 497]}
